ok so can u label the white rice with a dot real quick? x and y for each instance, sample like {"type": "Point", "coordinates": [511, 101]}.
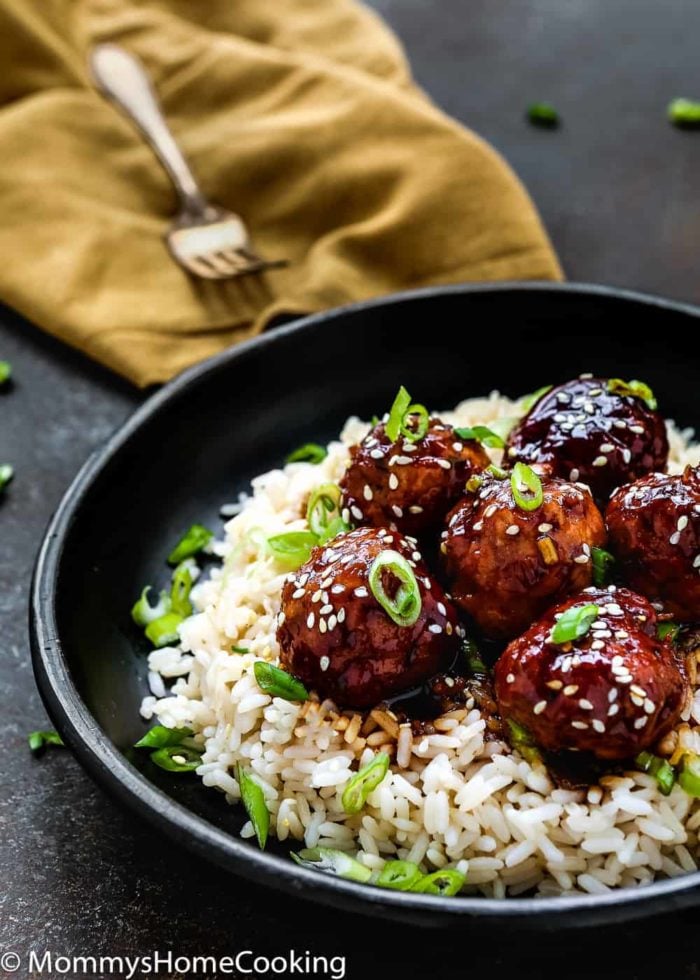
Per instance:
{"type": "Point", "coordinates": [451, 799]}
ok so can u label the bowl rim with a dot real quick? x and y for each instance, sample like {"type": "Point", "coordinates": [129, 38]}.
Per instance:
{"type": "Point", "coordinates": [103, 760]}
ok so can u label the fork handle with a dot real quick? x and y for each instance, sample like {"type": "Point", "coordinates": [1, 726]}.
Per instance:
{"type": "Point", "coordinates": [122, 79]}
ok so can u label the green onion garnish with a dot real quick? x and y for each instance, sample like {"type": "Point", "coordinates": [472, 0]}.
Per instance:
{"type": "Point", "coordinates": [5, 372]}
{"type": "Point", "coordinates": [404, 605]}
{"type": "Point", "coordinates": [144, 613]}
{"type": "Point", "coordinates": [235, 649]}
{"type": "Point", "coordinates": [603, 563]}
{"type": "Point", "coordinates": [633, 389]}
{"type": "Point", "coordinates": [496, 472]}
{"type": "Point", "coordinates": [470, 652]}
{"type": "Point", "coordinates": [446, 883]}
{"type": "Point", "coordinates": [527, 487]}
{"type": "Point", "coordinates": [401, 411]}
{"type": "Point", "coordinates": [6, 474]}
{"type": "Point", "coordinates": [662, 771]}
{"type": "Point", "coordinates": [278, 683]}
{"type": "Point", "coordinates": [190, 544]}
{"type": "Point", "coordinates": [543, 114]}
{"type": "Point", "coordinates": [668, 631]}
{"type": "Point", "coordinates": [363, 782]}
{"type": "Point", "coordinates": [689, 776]}
{"type": "Point", "coordinates": [310, 452]}
{"type": "Point", "coordinates": [39, 740]}
{"type": "Point", "coordinates": [159, 737]}
{"type": "Point", "coordinates": [177, 758]}
{"type": "Point", "coordinates": [521, 740]}
{"type": "Point", "coordinates": [487, 437]}
{"type": "Point", "coordinates": [574, 623]}
{"type": "Point", "coordinates": [323, 512]}
{"type": "Point", "coordinates": [163, 631]}
{"type": "Point", "coordinates": [684, 112]}
{"type": "Point", "coordinates": [473, 483]}
{"type": "Point", "coordinates": [529, 401]}
{"type": "Point", "coordinates": [402, 876]}
{"type": "Point", "coordinates": [331, 861]}
{"type": "Point", "coordinates": [180, 591]}
{"type": "Point", "coordinates": [254, 801]}
{"type": "Point", "coordinates": [292, 548]}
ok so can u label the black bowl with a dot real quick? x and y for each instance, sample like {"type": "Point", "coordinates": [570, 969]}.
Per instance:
{"type": "Point", "coordinates": [199, 440]}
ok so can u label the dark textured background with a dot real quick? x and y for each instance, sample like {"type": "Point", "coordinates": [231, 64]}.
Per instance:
{"type": "Point", "coordinates": [618, 189]}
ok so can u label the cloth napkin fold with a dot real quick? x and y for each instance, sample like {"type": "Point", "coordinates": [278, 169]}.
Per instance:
{"type": "Point", "coordinates": [301, 115]}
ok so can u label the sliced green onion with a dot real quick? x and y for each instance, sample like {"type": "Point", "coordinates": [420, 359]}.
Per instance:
{"type": "Point", "coordinates": [502, 427]}
{"type": "Point", "coordinates": [524, 479]}
{"type": "Point", "coordinates": [6, 474]}
{"type": "Point", "coordinates": [39, 740]}
{"type": "Point", "coordinates": [447, 883]}
{"type": "Point", "coordinates": [331, 861]}
{"type": "Point", "coordinates": [668, 631]}
{"type": "Point", "coordinates": [543, 114]}
{"type": "Point", "coordinates": [401, 411]}
{"type": "Point", "coordinates": [323, 512]}
{"type": "Point", "coordinates": [190, 544]}
{"type": "Point", "coordinates": [177, 758]}
{"type": "Point", "coordinates": [180, 591]}
{"type": "Point", "coordinates": [159, 737]}
{"type": "Point", "coordinates": [521, 740]}
{"type": "Point", "coordinates": [405, 605]}
{"type": "Point", "coordinates": [684, 112]}
{"type": "Point", "coordinates": [143, 612]}
{"type": "Point", "coordinates": [363, 782]}
{"type": "Point", "coordinates": [487, 437]}
{"type": "Point", "coordinates": [529, 401]}
{"type": "Point", "coordinates": [310, 452]}
{"type": "Point", "coordinates": [163, 631]}
{"type": "Point", "coordinates": [689, 776]}
{"type": "Point", "coordinates": [496, 472]}
{"type": "Point", "coordinates": [470, 651]}
{"type": "Point", "coordinates": [633, 389]}
{"type": "Point", "coordinates": [401, 876]}
{"type": "Point", "coordinates": [574, 623]}
{"type": "Point", "coordinates": [662, 771]}
{"type": "Point", "coordinates": [235, 649]}
{"type": "Point", "coordinates": [292, 548]}
{"type": "Point", "coordinates": [473, 483]}
{"type": "Point", "coordinates": [5, 372]}
{"type": "Point", "coordinates": [278, 683]}
{"type": "Point", "coordinates": [603, 563]}
{"type": "Point", "coordinates": [254, 801]}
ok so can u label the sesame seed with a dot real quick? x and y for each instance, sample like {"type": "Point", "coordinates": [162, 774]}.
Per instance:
{"type": "Point", "coordinates": [639, 691]}
{"type": "Point", "coordinates": [310, 620]}
{"type": "Point", "coordinates": [316, 597]}
{"type": "Point", "coordinates": [649, 706]}
{"type": "Point", "coordinates": [636, 700]}
{"type": "Point", "coordinates": [396, 510]}
{"type": "Point", "coordinates": [490, 510]}
{"type": "Point", "coordinates": [682, 523]}
{"type": "Point", "coordinates": [356, 512]}
{"type": "Point", "coordinates": [512, 452]}
{"type": "Point", "coordinates": [513, 530]}
{"type": "Point", "coordinates": [341, 615]}
{"type": "Point", "coordinates": [367, 492]}
{"type": "Point", "coordinates": [326, 583]}
{"type": "Point", "coordinates": [448, 629]}
{"type": "Point", "coordinates": [324, 598]}
{"type": "Point", "coordinates": [325, 663]}
{"type": "Point", "coordinates": [626, 455]}
{"type": "Point", "coordinates": [332, 620]}
{"type": "Point", "coordinates": [600, 461]}
{"type": "Point", "coordinates": [641, 722]}
{"type": "Point", "coordinates": [582, 559]}
{"type": "Point", "coordinates": [393, 481]}
{"type": "Point", "coordinates": [539, 707]}
{"type": "Point", "coordinates": [696, 561]}
{"type": "Point", "coordinates": [415, 509]}
{"type": "Point", "coordinates": [478, 526]}
{"type": "Point", "coordinates": [458, 446]}
{"type": "Point", "coordinates": [404, 460]}
{"type": "Point", "coordinates": [586, 376]}
{"type": "Point", "coordinates": [585, 704]}
{"type": "Point", "coordinates": [613, 710]}
{"type": "Point", "coordinates": [606, 447]}
{"type": "Point", "coordinates": [574, 475]}
{"type": "Point", "coordinates": [675, 537]}
{"type": "Point", "coordinates": [598, 726]}
{"type": "Point", "coordinates": [303, 579]}
{"type": "Point", "coordinates": [300, 593]}
{"type": "Point", "coordinates": [408, 447]}
{"type": "Point", "coordinates": [544, 528]}
{"type": "Point", "coordinates": [510, 678]}
{"type": "Point", "coordinates": [624, 680]}
{"type": "Point", "coordinates": [445, 463]}
{"type": "Point", "coordinates": [376, 454]}
{"type": "Point", "coordinates": [427, 583]}
{"type": "Point", "coordinates": [416, 556]}
{"type": "Point", "coordinates": [639, 429]}
{"type": "Point", "coordinates": [388, 538]}
{"type": "Point", "coordinates": [581, 725]}
{"type": "Point", "coordinates": [322, 625]}
{"type": "Point", "coordinates": [450, 681]}
{"type": "Point", "coordinates": [324, 610]}
{"type": "Point", "coordinates": [345, 514]}
{"type": "Point", "coordinates": [361, 592]}
{"type": "Point", "coordinates": [435, 628]}
{"type": "Point", "coordinates": [597, 645]}
{"type": "Point", "coordinates": [621, 635]}
{"type": "Point", "coordinates": [570, 689]}
{"type": "Point", "coordinates": [337, 589]}
{"type": "Point", "coordinates": [612, 694]}
{"type": "Point", "coordinates": [281, 617]}
{"type": "Point", "coordinates": [441, 608]}
{"type": "Point", "coordinates": [443, 548]}
{"type": "Point", "coordinates": [554, 685]}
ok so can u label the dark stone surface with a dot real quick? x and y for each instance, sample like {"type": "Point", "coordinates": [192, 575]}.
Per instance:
{"type": "Point", "coordinates": [617, 187]}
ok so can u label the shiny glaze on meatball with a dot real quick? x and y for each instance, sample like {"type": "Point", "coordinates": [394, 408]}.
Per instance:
{"type": "Point", "coordinates": [336, 637]}
{"type": "Point", "coordinates": [408, 485]}
{"type": "Point", "coordinates": [614, 692]}
{"type": "Point", "coordinates": [655, 533]}
{"type": "Point", "coordinates": [582, 431]}
{"type": "Point", "coordinates": [506, 566]}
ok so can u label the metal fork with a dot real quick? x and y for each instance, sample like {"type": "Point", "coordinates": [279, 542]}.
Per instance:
{"type": "Point", "coordinates": [205, 239]}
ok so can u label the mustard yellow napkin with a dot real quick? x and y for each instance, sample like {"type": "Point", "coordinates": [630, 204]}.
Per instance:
{"type": "Point", "coordinates": [299, 114]}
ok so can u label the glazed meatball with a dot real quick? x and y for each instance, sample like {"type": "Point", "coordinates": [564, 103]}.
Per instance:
{"type": "Point", "coordinates": [654, 529]}
{"type": "Point", "coordinates": [505, 565]}
{"type": "Point", "coordinates": [408, 485]}
{"type": "Point", "coordinates": [583, 431]}
{"type": "Point", "coordinates": [613, 692]}
{"type": "Point", "coordinates": [340, 641]}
